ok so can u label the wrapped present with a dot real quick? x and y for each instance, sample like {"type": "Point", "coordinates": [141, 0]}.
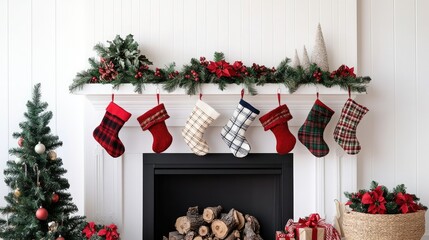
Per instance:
{"type": "Point", "coordinates": [311, 228]}
{"type": "Point", "coordinates": [283, 236]}
{"type": "Point", "coordinates": [306, 233]}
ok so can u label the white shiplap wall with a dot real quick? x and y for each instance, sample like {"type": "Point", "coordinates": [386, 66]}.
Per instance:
{"type": "Point", "coordinates": [42, 41]}
{"type": "Point", "coordinates": [393, 45]}
{"type": "Point", "coordinates": [48, 41]}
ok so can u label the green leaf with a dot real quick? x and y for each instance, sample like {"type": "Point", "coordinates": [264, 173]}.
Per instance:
{"type": "Point", "coordinates": [218, 56]}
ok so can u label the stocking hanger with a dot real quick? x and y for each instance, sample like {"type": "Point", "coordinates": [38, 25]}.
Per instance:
{"type": "Point", "coordinates": [317, 92]}
{"type": "Point", "coordinates": [157, 94]}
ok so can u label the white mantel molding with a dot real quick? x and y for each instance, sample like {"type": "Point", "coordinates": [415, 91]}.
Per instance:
{"type": "Point", "coordinates": [179, 105]}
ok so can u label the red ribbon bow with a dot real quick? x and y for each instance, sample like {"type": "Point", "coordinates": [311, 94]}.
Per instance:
{"type": "Point", "coordinates": [311, 221]}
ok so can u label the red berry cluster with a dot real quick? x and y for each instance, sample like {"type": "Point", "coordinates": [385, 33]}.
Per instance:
{"type": "Point", "coordinates": [94, 80]}
{"type": "Point", "coordinates": [195, 75]}
{"type": "Point", "coordinates": [158, 72]}
{"type": "Point", "coordinates": [204, 62]}
{"type": "Point", "coordinates": [142, 68]}
{"type": "Point", "coordinates": [173, 74]}
{"type": "Point", "coordinates": [261, 69]}
{"type": "Point", "coordinates": [318, 75]}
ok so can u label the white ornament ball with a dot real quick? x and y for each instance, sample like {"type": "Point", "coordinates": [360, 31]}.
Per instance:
{"type": "Point", "coordinates": [18, 160]}
{"type": "Point", "coordinates": [52, 155]}
{"type": "Point", "coordinates": [17, 193]}
{"type": "Point", "coordinates": [40, 148]}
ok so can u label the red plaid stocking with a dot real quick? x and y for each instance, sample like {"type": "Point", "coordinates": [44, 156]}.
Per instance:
{"type": "Point", "coordinates": [345, 131]}
{"type": "Point", "coordinates": [276, 121]}
{"type": "Point", "coordinates": [311, 132]}
{"type": "Point", "coordinates": [154, 120]}
{"type": "Point", "coordinates": [107, 133]}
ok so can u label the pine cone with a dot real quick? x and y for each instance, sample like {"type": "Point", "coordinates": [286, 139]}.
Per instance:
{"type": "Point", "coordinates": [108, 71]}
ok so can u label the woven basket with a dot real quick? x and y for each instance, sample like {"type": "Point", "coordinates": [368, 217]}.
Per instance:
{"type": "Point", "coordinates": [363, 226]}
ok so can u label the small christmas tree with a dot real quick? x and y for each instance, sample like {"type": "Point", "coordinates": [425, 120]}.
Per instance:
{"type": "Point", "coordinates": [38, 206]}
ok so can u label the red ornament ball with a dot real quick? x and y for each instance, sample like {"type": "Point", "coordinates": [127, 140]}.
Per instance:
{"type": "Point", "coordinates": [20, 141]}
{"type": "Point", "coordinates": [60, 238]}
{"type": "Point", "coordinates": [42, 213]}
{"type": "Point", "coordinates": [55, 198]}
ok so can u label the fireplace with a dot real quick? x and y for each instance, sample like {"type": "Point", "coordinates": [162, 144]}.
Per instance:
{"type": "Point", "coordinates": [260, 185]}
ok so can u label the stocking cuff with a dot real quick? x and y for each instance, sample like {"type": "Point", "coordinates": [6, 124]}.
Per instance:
{"type": "Point", "coordinates": [275, 117]}
{"type": "Point", "coordinates": [355, 109]}
{"type": "Point", "coordinates": [248, 106]}
{"type": "Point", "coordinates": [325, 110]}
{"type": "Point", "coordinates": [211, 112]}
{"type": "Point", "coordinates": [153, 116]}
{"type": "Point", "coordinates": [117, 111]}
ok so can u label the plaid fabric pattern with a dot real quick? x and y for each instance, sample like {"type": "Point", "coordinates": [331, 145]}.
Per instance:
{"type": "Point", "coordinates": [276, 121]}
{"type": "Point", "coordinates": [345, 131]}
{"type": "Point", "coordinates": [106, 134]}
{"type": "Point", "coordinates": [154, 120]}
{"type": "Point", "coordinates": [311, 132]}
{"type": "Point", "coordinates": [233, 132]}
{"type": "Point", "coordinates": [200, 119]}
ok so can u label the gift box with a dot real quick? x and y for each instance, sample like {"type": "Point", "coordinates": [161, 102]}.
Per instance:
{"type": "Point", "coordinates": [283, 236]}
{"type": "Point", "coordinates": [306, 233]}
{"type": "Point", "coordinates": [311, 228]}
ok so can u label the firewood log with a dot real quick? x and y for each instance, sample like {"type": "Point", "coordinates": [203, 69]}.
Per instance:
{"type": "Point", "coordinates": [191, 222]}
{"type": "Point", "coordinates": [222, 227]}
{"type": "Point", "coordinates": [175, 236]}
{"type": "Point", "coordinates": [233, 235]}
{"type": "Point", "coordinates": [254, 223]}
{"type": "Point", "coordinates": [211, 213]}
{"type": "Point", "coordinates": [190, 235]}
{"type": "Point", "coordinates": [240, 220]}
{"type": "Point", "coordinates": [192, 211]}
{"type": "Point", "coordinates": [251, 228]}
{"type": "Point", "coordinates": [203, 231]}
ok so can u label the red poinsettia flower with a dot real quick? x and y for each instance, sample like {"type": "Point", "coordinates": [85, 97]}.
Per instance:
{"type": "Point", "coordinates": [109, 232]}
{"type": "Point", "coordinates": [344, 71]}
{"type": "Point", "coordinates": [375, 200]}
{"type": "Point", "coordinates": [221, 68]}
{"type": "Point", "coordinates": [89, 230]}
{"type": "Point", "coordinates": [406, 203]}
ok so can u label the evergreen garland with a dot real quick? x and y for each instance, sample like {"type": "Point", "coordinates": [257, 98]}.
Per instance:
{"type": "Point", "coordinates": [121, 62]}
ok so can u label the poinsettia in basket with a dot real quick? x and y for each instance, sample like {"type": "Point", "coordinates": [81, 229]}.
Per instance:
{"type": "Point", "coordinates": [95, 231]}
{"type": "Point", "coordinates": [382, 214]}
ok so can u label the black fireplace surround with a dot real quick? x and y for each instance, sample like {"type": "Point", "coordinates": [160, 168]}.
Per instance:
{"type": "Point", "coordinates": [259, 184]}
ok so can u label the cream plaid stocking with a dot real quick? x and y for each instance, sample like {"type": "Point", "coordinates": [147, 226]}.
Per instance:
{"type": "Point", "coordinates": [201, 117]}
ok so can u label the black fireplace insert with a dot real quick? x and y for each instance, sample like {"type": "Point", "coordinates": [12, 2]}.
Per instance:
{"type": "Point", "coordinates": [259, 184]}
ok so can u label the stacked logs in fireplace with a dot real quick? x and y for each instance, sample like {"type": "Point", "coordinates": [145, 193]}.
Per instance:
{"type": "Point", "coordinates": [213, 224]}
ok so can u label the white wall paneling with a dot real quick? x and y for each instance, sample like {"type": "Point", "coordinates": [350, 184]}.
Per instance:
{"type": "Point", "coordinates": [48, 41]}
{"type": "Point", "coordinates": [393, 48]}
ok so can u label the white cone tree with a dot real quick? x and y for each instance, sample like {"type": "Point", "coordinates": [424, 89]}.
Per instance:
{"type": "Point", "coordinates": [295, 61]}
{"type": "Point", "coordinates": [319, 55]}
{"type": "Point", "coordinates": [305, 60]}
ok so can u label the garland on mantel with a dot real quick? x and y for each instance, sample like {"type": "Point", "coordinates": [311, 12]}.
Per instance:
{"type": "Point", "coordinates": [121, 62]}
